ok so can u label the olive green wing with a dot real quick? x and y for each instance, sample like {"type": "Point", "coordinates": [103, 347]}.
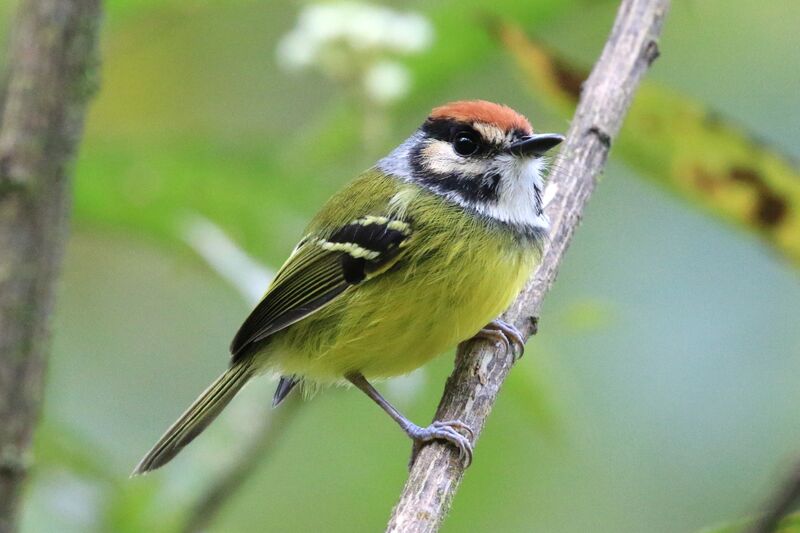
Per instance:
{"type": "Point", "coordinates": [320, 269]}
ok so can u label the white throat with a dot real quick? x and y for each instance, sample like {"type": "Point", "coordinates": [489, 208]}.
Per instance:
{"type": "Point", "coordinates": [519, 199]}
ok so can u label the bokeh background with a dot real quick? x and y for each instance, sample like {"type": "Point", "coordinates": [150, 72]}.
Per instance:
{"type": "Point", "coordinates": [661, 394]}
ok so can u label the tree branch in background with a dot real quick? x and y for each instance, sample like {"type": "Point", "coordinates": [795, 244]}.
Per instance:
{"type": "Point", "coordinates": [481, 368]}
{"type": "Point", "coordinates": [52, 74]}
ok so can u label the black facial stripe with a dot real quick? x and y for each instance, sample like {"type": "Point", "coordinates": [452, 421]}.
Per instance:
{"type": "Point", "coordinates": [481, 188]}
{"type": "Point", "coordinates": [447, 130]}
{"type": "Point", "coordinates": [442, 129]}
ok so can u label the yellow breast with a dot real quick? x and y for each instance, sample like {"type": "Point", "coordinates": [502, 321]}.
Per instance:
{"type": "Point", "coordinates": [456, 275]}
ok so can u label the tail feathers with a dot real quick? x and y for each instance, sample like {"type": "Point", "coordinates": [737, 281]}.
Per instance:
{"type": "Point", "coordinates": [196, 418]}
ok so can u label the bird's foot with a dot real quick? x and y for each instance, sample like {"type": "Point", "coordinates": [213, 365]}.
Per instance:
{"type": "Point", "coordinates": [455, 432]}
{"type": "Point", "coordinates": [506, 334]}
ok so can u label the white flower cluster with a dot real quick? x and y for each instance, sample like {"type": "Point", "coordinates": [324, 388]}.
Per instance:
{"type": "Point", "coordinates": [359, 43]}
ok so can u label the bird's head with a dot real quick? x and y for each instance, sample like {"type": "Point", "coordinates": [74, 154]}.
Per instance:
{"type": "Point", "coordinates": [482, 156]}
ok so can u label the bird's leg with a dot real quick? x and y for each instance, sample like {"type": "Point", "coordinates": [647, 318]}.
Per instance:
{"type": "Point", "coordinates": [506, 334]}
{"type": "Point", "coordinates": [439, 430]}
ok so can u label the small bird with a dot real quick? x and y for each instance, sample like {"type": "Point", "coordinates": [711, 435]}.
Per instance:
{"type": "Point", "coordinates": [420, 252]}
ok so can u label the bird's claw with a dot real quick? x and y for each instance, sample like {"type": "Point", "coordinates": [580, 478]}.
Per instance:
{"type": "Point", "coordinates": [452, 431]}
{"type": "Point", "coordinates": [506, 334]}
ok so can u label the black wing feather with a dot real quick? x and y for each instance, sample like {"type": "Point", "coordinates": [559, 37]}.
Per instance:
{"type": "Point", "coordinates": [320, 270]}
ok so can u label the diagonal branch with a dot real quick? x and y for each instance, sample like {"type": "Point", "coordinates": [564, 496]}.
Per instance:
{"type": "Point", "coordinates": [50, 78]}
{"type": "Point", "coordinates": [481, 368]}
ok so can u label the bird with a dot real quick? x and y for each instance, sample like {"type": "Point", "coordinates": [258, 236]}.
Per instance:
{"type": "Point", "coordinates": [418, 253]}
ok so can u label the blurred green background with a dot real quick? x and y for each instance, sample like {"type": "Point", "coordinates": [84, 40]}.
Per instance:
{"type": "Point", "coordinates": [660, 395]}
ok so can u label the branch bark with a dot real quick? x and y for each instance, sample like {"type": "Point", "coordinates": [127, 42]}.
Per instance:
{"type": "Point", "coordinates": [481, 368]}
{"type": "Point", "coordinates": [51, 76]}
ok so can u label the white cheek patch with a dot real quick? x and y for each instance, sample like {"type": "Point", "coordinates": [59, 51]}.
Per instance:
{"type": "Point", "coordinates": [442, 159]}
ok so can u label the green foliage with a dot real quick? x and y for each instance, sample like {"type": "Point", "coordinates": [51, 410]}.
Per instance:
{"type": "Point", "coordinates": [194, 116]}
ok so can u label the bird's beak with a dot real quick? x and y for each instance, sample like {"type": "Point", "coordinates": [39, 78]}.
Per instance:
{"type": "Point", "coordinates": [535, 145]}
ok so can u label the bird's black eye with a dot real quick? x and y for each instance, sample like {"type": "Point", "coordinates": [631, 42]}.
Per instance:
{"type": "Point", "coordinates": [466, 143]}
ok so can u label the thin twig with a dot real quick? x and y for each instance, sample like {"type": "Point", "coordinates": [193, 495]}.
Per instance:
{"type": "Point", "coordinates": [481, 368]}
{"type": "Point", "coordinates": [51, 75]}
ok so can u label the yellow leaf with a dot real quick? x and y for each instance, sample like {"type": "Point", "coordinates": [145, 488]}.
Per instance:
{"type": "Point", "coordinates": [695, 154]}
